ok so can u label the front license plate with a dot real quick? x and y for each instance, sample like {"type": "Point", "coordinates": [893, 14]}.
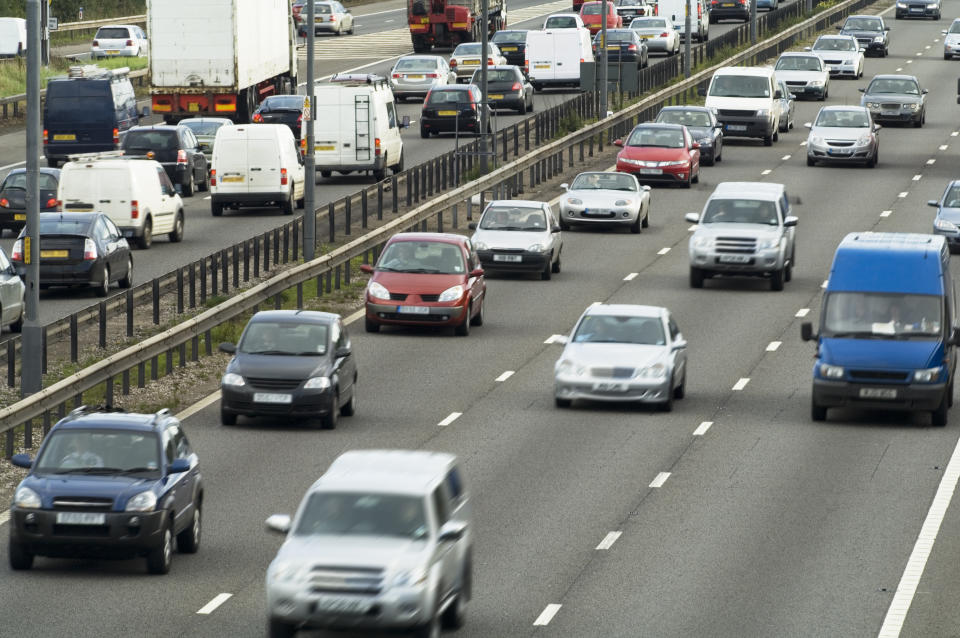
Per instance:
{"type": "Point", "coordinates": [343, 605]}
{"type": "Point", "coordinates": [20, 217]}
{"type": "Point", "coordinates": [609, 387]}
{"type": "Point", "coordinates": [232, 178]}
{"type": "Point", "coordinates": [508, 48]}
{"type": "Point", "coordinates": [81, 518]}
{"type": "Point", "coordinates": [325, 147]}
{"type": "Point", "coordinates": [838, 151]}
{"type": "Point", "coordinates": [413, 310]}
{"type": "Point", "coordinates": [496, 97]}
{"type": "Point", "coordinates": [734, 259]}
{"type": "Point", "coordinates": [447, 113]}
{"type": "Point", "coordinates": [878, 393]}
{"type": "Point", "coordinates": [272, 397]}
{"type": "Point", "coordinates": [54, 253]}
{"type": "Point", "coordinates": [64, 137]}
{"type": "Point", "coordinates": [736, 127]}
{"type": "Point", "coordinates": [651, 171]}
{"type": "Point", "coordinates": [510, 258]}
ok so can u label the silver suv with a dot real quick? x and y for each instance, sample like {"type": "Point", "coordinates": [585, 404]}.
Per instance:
{"type": "Point", "coordinates": [381, 541]}
{"type": "Point", "coordinates": [746, 228]}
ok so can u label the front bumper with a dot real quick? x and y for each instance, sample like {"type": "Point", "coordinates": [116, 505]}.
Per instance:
{"type": "Point", "coordinates": [436, 315]}
{"type": "Point", "coordinates": [506, 260]}
{"type": "Point", "coordinates": [392, 608]}
{"type": "Point", "coordinates": [836, 394]}
{"type": "Point", "coordinates": [612, 390]}
{"type": "Point", "coordinates": [842, 154]}
{"type": "Point", "coordinates": [571, 214]}
{"type": "Point", "coordinates": [746, 126]}
{"type": "Point", "coordinates": [952, 236]}
{"type": "Point", "coordinates": [917, 11]}
{"type": "Point", "coordinates": [872, 46]}
{"type": "Point", "coordinates": [842, 70]}
{"type": "Point", "coordinates": [656, 174]}
{"type": "Point", "coordinates": [807, 90]}
{"type": "Point", "coordinates": [898, 115]}
{"type": "Point", "coordinates": [39, 533]}
{"type": "Point", "coordinates": [303, 403]}
{"type": "Point", "coordinates": [757, 264]}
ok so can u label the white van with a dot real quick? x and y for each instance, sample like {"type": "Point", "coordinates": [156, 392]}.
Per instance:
{"type": "Point", "coordinates": [553, 56]}
{"type": "Point", "coordinates": [13, 37]}
{"type": "Point", "coordinates": [676, 10]}
{"type": "Point", "coordinates": [256, 165]}
{"type": "Point", "coordinates": [135, 194]}
{"type": "Point", "coordinates": [747, 102]}
{"type": "Point", "coordinates": [357, 127]}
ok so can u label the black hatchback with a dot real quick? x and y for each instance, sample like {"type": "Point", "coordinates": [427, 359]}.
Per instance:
{"type": "Point", "coordinates": [623, 45]}
{"type": "Point", "coordinates": [512, 44]}
{"type": "Point", "coordinates": [282, 109]}
{"type": "Point", "coordinates": [13, 196]}
{"type": "Point", "coordinates": [290, 363]}
{"type": "Point", "coordinates": [452, 109]}
{"type": "Point", "coordinates": [177, 150]}
{"type": "Point", "coordinates": [507, 88]}
{"type": "Point", "coordinates": [79, 249]}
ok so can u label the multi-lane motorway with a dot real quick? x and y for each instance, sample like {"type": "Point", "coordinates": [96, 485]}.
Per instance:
{"type": "Point", "coordinates": [732, 516]}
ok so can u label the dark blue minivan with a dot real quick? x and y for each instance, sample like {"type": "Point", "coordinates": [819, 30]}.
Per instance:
{"type": "Point", "coordinates": [87, 112]}
{"type": "Point", "coordinates": [888, 327]}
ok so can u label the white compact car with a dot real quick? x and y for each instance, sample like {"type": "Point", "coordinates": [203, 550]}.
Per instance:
{"type": "Point", "coordinates": [119, 40]}
{"type": "Point", "coordinates": [951, 40]}
{"type": "Point", "coordinates": [600, 197]}
{"type": "Point", "coordinates": [804, 73]}
{"type": "Point", "coordinates": [842, 54]}
{"type": "Point", "coordinates": [518, 235]}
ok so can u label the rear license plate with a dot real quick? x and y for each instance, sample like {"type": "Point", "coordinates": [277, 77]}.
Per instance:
{"type": "Point", "coordinates": [469, 62]}
{"type": "Point", "coordinates": [81, 518]}
{"type": "Point", "coordinates": [232, 178]}
{"type": "Point", "coordinates": [343, 605]}
{"type": "Point", "coordinates": [413, 310]}
{"type": "Point", "coordinates": [510, 258]}
{"type": "Point", "coordinates": [54, 253]}
{"type": "Point", "coordinates": [736, 127]}
{"type": "Point", "coordinates": [193, 106]}
{"type": "Point", "coordinates": [508, 48]}
{"type": "Point", "coordinates": [727, 5]}
{"type": "Point", "coordinates": [646, 37]}
{"type": "Point", "coordinates": [20, 217]}
{"type": "Point", "coordinates": [878, 393]}
{"type": "Point", "coordinates": [318, 19]}
{"type": "Point", "coordinates": [113, 52]}
{"type": "Point", "coordinates": [613, 47]}
{"type": "Point", "coordinates": [414, 77]}
{"type": "Point", "coordinates": [734, 259]}
{"type": "Point", "coordinates": [325, 147]}
{"type": "Point", "coordinates": [651, 171]}
{"type": "Point", "coordinates": [496, 97]}
{"type": "Point", "coordinates": [272, 397]}
{"type": "Point", "coordinates": [64, 137]}
{"type": "Point", "coordinates": [609, 387]}
{"type": "Point", "coordinates": [447, 113]}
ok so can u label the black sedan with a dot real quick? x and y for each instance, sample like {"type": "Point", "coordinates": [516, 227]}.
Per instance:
{"type": "Point", "coordinates": [452, 109]}
{"type": "Point", "coordinates": [507, 88]}
{"type": "Point", "coordinates": [703, 126]}
{"type": "Point", "coordinates": [290, 363]}
{"type": "Point", "coordinates": [282, 109]}
{"type": "Point", "coordinates": [177, 150]}
{"type": "Point", "coordinates": [512, 44]}
{"type": "Point", "coordinates": [13, 193]}
{"type": "Point", "coordinates": [79, 249]}
{"type": "Point", "coordinates": [623, 45]}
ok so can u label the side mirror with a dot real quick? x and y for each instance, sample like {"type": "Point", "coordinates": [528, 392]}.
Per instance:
{"type": "Point", "coordinates": [178, 466]}
{"type": "Point", "coordinates": [806, 331]}
{"type": "Point", "coordinates": [229, 348]}
{"type": "Point", "coordinates": [405, 122]}
{"type": "Point", "coordinates": [618, 142]}
{"type": "Point", "coordinates": [452, 531]}
{"type": "Point", "coordinates": [472, 225]}
{"type": "Point", "coordinates": [839, 28]}
{"type": "Point", "coordinates": [565, 186]}
{"type": "Point", "coordinates": [954, 339]}
{"type": "Point", "coordinates": [555, 229]}
{"type": "Point", "coordinates": [679, 345]}
{"type": "Point", "coordinates": [924, 91]}
{"type": "Point", "coordinates": [145, 111]}
{"type": "Point", "coordinates": [808, 48]}
{"type": "Point", "coordinates": [778, 94]}
{"type": "Point", "coordinates": [877, 127]}
{"type": "Point", "coordinates": [647, 187]}
{"type": "Point", "coordinates": [808, 124]}
{"type": "Point", "coordinates": [344, 351]}
{"type": "Point", "coordinates": [943, 33]}
{"type": "Point", "coordinates": [933, 202]}
{"type": "Point", "coordinates": [718, 125]}
{"type": "Point", "coordinates": [21, 460]}
{"type": "Point", "coordinates": [695, 145]}
{"type": "Point", "coordinates": [886, 28]}
{"type": "Point", "coordinates": [279, 523]}
{"type": "Point", "coordinates": [367, 268]}
{"type": "Point", "coordinates": [862, 90]}
{"type": "Point", "coordinates": [790, 221]}
{"type": "Point", "coordinates": [791, 96]}
{"type": "Point", "coordinates": [701, 91]}
{"type": "Point", "coordinates": [862, 49]}
{"type": "Point", "coordinates": [476, 272]}
{"type": "Point", "coordinates": [693, 218]}
{"type": "Point", "coordinates": [561, 339]}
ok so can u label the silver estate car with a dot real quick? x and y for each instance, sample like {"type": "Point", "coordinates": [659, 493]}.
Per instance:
{"type": "Point", "coordinates": [621, 352]}
{"type": "Point", "coordinates": [415, 75]}
{"type": "Point", "coordinates": [382, 541]}
{"type": "Point", "coordinates": [947, 221]}
{"type": "Point", "coordinates": [518, 235]}
{"type": "Point", "coordinates": [599, 197]}
{"type": "Point", "coordinates": [843, 134]}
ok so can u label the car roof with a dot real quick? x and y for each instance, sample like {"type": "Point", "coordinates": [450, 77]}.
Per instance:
{"type": "Point", "coordinates": [519, 203]}
{"type": "Point", "coordinates": [116, 26]}
{"type": "Point", "coordinates": [43, 169]}
{"type": "Point", "coordinates": [883, 262]}
{"type": "Point", "coordinates": [419, 56]}
{"type": "Point", "coordinates": [632, 310]}
{"type": "Point", "coordinates": [894, 76]}
{"type": "Point", "coordinates": [798, 54]}
{"type": "Point", "coordinates": [155, 127]}
{"type": "Point", "coordinates": [448, 238]}
{"type": "Point", "coordinates": [501, 67]}
{"type": "Point", "coordinates": [224, 120]}
{"type": "Point", "coordinates": [451, 87]}
{"type": "Point", "coordinates": [404, 471]}
{"type": "Point", "coordinates": [511, 31]}
{"type": "Point", "coordinates": [108, 421]}
{"type": "Point", "coordinates": [78, 216]}
{"type": "Point", "coordinates": [834, 36]}
{"type": "Point", "coordinates": [864, 15]}
{"type": "Point", "coordinates": [843, 107]}
{"type": "Point", "coordinates": [744, 70]}
{"type": "Point", "coordinates": [685, 107]}
{"type": "Point", "coordinates": [566, 15]}
{"type": "Point", "coordinates": [295, 316]}
{"type": "Point", "coordinates": [748, 190]}
{"type": "Point", "coordinates": [662, 125]}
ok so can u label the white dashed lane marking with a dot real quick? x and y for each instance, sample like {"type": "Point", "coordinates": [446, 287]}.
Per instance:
{"type": "Point", "coordinates": [785, 157]}
{"type": "Point", "coordinates": [702, 428]}
{"type": "Point", "coordinates": [944, 147]}
{"type": "Point", "coordinates": [663, 251]}
{"type": "Point", "coordinates": [931, 161]}
{"type": "Point", "coordinates": [553, 338]}
{"type": "Point", "coordinates": [211, 606]}
{"type": "Point", "coordinates": [741, 384]}
{"type": "Point", "coordinates": [609, 540]}
{"type": "Point", "coordinates": [660, 480]}
{"type": "Point", "coordinates": [450, 419]}
{"type": "Point", "coordinates": [917, 178]}
{"type": "Point", "coordinates": [766, 172]}
{"type": "Point", "coordinates": [773, 346]}
{"type": "Point", "coordinates": [802, 312]}
{"type": "Point", "coordinates": [631, 276]}
{"type": "Point", "coordinates": [903, 194]}
{"type": "Point", "coordinates": [547, 615]}
{"type": "Point", "coordinates": [506, 375]}
{"type": "Point", "coordinates": [886, 213]}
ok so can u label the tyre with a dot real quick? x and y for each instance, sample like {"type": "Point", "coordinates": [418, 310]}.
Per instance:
{"type": "Point", "coordinates": [811, 161]}
{"type": "Point", "coordinates": [350, 407]}
{"type": "Point", "coordinates": [20, 558]}
{"type": "Point", "coordinates": [667, 406]}
{"type": "Point", "coordinates": [287, 206]}
{"type": "Point", "coordinates": [103, 288]}
{"type": "Point", "coordinates": [216, 209]}
{"type": "Point", "coordinates": [429, 630]}
{"type": "Point", "coordinates": [872, 162]}
{"type": "Point", "coordinates": [227, 418]}
{"type": "Point", "coordinates": [646, 219]}
{"type": "Point", "coordinates": [188, 541]}
{"type": "Point", "coordinates": [547, 272]}
{"type": "Point", "coordinates": [17, 325]}
{"type": "Point", "coordinates": [463, 328]}
{"type": "Point", "coordinates": [776, 279]}
{"type": "Point", "coordinates": [768, 140]}
{"type": "Point", "coordinates": [176, 235]}
{"type": "Point", "coordinates": [940, 416]}
{"type": "Point", "coordinates": [329, 422]}
{"type": "Point", "coordinates": [562, 403]}
{"type": "Point", "coordinates": [946, 56]}
{"type": "Point", "coordinates": [556, 265]}
{"type": "Point", "coordinates": [160, 557]}
{"type": "Point", "coordinates": [564, 225]}
{"type": "Point", "coordinates": [918, 123]}
{"type": "Point", "coordinates": [279, 629]}
{"type": "Point", "coordinates": [455, 616]}
{"type": "Point", "coordinates": [695, 179]}
{"type": "Point", "coordinates": [371, 326]}
{"type": "Point", "coordinates": [379, 175]}
{"type": "Point", "coordinates": [188, 188]}
{"type": "Point", "coordinates": [788, 271]}
{"type": "Point", "coordinates": [687, 182]}
{"type": "Point", "coordinates": [696, 277]}
{"type": "Point", "coordinates": [424, 133]}
{"type": "Point", "coordinates": [146, 239]}
{"type": "Point", "coordinates": [776, 132]}
{"type": "Point", "coordinates": [127, 280]}
{"type": "Point", "coordinates": [681, 390]}
{"type": "Point", "coordinates": [477, 319]}
{"type": "Point", "coordinates": [817, 412]}
{"type": "Point", "coordinates": [326, 173]}
{"type": "Point", "coordinates": [52, 163]}
{"type": "Point", "coordinates": [398, 167]}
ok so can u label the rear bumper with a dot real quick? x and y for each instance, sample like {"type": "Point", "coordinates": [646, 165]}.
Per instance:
{"type": "Point", "coordinates": [81, 274]}
{"type": "Point", "coordinates": [450, 124]}
{"type": "Point", "coordinates": [60, 152]}
{"type": "Point", "coordinates": [740, 13]}
{"type": "Point", "coordinates": [251, 199]}
{"type": "Point", "coordinates": [837, 394]}
{"type": "Point", "coordinates": [376, 164]}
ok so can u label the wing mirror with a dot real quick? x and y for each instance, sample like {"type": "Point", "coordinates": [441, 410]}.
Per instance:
{"type": "Point", "coordinates": [808, 124]}
{"type": "Point", "coordinates": [145, 111]}
{"type": "Point", "coordinates": [178, 466]}
{"type": "Point", "coordinates": [702, 91]}
{"type": "Point", "coordinates": [693, 218]}
{"type": "Point", "coordinates": [343, 351]}
{"type": "Point", "coordinates": [367, 268]}
{"type": "Point", "coordinates": [476, 272]}
{"type": "Point", "coordinates": [405, 122]}
{"type": "Point", "coordinates": [778, 94]}
{"type": "Point", "coordinates": [954, 337]}
{"type": "Point", "coordinates": [933, 202]}
{"type": "Point", "coordinates": [279, 523]}
{"type": "Point", "coordinates": [21, 460]}
{"type": "Point", "coordinates": [618, 142]}
{"type": "Point", "coordinates": [806, 331]}
{"type": "Point", "coordinates": [924, 91]}
{"type": "Point", "coordinates": [790, 221]}
{"type": "Point", "coordinates": [877, 127]}
{"type": "Point", "coordinates": [565, 186]}
{"type": "Point", "coordinates": [862, 90]}
{"type": "Point", "coordinates": [452, 531]}
{"type": "Point", "coordinates": [472, 225]}
{"type": "Point", "coordinates": [679, 344]}
{"type": "Point", "coordinates": [808, 48]}
{"type": "Point", "coordinates": [229, 348]}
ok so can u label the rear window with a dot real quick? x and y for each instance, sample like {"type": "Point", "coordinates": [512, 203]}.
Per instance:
{"type": "Point", "coordinates": [151, 140]}
{"type": "Point", "coordinates": [467, 49]}
{"type": "Point", "coordinates": [202, 128]}
{"type": "Point", "coordinates": [648, 24]}
{"type": "Point", "coordinates": [497, 76]}
{"type": "Point", "coordinates": [321, 8]}
{"type": "Point", "coordinates": [513, 37]}
{"type": "Point", "coordinates": [58, 226]}
{"type": "Point", "coordinates": [615, 36]}
{"type": "Point", "coordinates": [416, 64]}
{"type": "Point", "coordinates": [449, 97]}
{"type": "Point", "coordinates": [594, 9]}
{"type": "Point", "coordinates": [79, 102]}
{"type": "Point", "coordinates": [19, 181]}
{"type": "Point", "coordinates": [112, 33]}
{"type": "Point", "coordinates": [283, 103]}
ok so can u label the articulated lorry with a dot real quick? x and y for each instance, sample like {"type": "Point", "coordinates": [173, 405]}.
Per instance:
{"type": "Point", "coordinates": [219, 57]}
{"type": "Point", "coordinates": [447, 23]}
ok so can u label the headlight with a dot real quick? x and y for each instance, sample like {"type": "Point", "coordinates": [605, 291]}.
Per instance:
{"type": "Point", "coordinates": [848, 62]}
{"type": "Point", "coordinates": [535, 248]}
{"type": "Point", "coordinates": [863, 140]}
{"type": "Point", "coordinates": [815, 83]}
{"type": "Point", "coordinates": [763, 112]}
{"type": "Point", "coordinates": [930, 375]}
{"type": "Point", "coordinates": [768, 243]}
{"type": "Point", "coordinates": [377, 290]}
{"type": "Point", "coordinates": [623, 202]}
{"type": "Point", "coordinates": [26, 498]}
{"type": "Point", "coordinates": [232, 379]}
{"type": "Point", "coordinates": [901, 5]}
{"type": "Point", "coordinates": [942, 224]}
{"type": "Point", "coordinates": [633, 162]}
{"type": "Point", "coordinates": [656, 371]}
{"type": "Point", "coordinates": [705, 141]}
{"type": "Point", "coordinates": [286, 571]}
{"type": "Point", "coordinates": [451, 294]}
{"type": "Point", "coordinates": [479, 245]}
{"type": "Point", "coordinates": [702, 242]}
{"type": "Point", "coordinates": [675, 163]}
{"type": "Point", "coordinates": [878, 38]}
{"type": "Point", "coordinates": [317, 383]}
{"type": "Point", "coordinates": [565, 366]}
{"type": "Point", "coordinates": [815, 140]}
{"type": "Point", "coordinates": [410, 577]}
{"type": "Point", "coordinates": [932, 5]}
{"type": "Point", "coordinates": [912, 107]}
{"type": "Point", "coordinates": [142, 502]}
{"type": "Point", "coordinates": [573, 201]}
{"type": "Point", "coordinates": [828, 371]}
{"type": "Point", "coordinates": [873, 105]}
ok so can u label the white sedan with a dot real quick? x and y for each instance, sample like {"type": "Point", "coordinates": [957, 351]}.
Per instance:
{"type": "Point", "coordinates": [600, 197]}
{"type": "Point", "coordinates": [842, 55]}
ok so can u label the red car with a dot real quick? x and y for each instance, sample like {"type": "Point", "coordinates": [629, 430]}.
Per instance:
{"type": "Point", "coordinates": [660, 153]}
{"type": "Point", "coordinates": [590, 13]}
{"type": "Point", "coordinates": [426, 279]}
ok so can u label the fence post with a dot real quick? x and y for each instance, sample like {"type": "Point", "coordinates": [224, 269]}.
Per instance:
{"type": "Point", "coordinates": [393, 193]}
{"type": "Point", "coordinates": [12, 363]}
{"type": "Point", "coordinates": [331, 222]}
{"type": "Point", "coordinates": [103, 323]}
{"type": "Point", "coordinates": [179, 294]}
{"type": "Point", "coordinates": [363, 208]}
{"type": "Point", "coordinates": [203, 280]}
{"type": "Point", "coordinates": [74, 337]}
{"type": "Point", "coordinates": [225, 267]}
{"type": "Point", "coordinates": [380, 200]}
{"type": "Point", "coordinates": [156, 302]}
{"type": "Point", "coordinates": [347, 203]}
{"type": "Point", "coordinates": [214, 275]}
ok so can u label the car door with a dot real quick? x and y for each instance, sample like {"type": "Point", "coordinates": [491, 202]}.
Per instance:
{"type": "Point", "coordinates": [11, 292]}
{"type": "Point", "coordinates": [191, 482]}
{"type": "Point", "coordinates": [678, 350]}
{"type": "Point", "coordinates": [446, 552]}
{"type": "Point", "coordinates": [555, 238]}
{"type": "Point", "coordinates": [164, 213]}
{"type": "Point", "coordinates": [178, 486]}
{"type": "Point", "coordinates": [108, 248]}
{"type": "Point", "coordinates": [122, 248]}
{"type": "Point", "coordinates": [198, 162]}
{"type": "Point", "coordinates": [344, 366]}
{"type": "Point", "coordinates": [475, 284]}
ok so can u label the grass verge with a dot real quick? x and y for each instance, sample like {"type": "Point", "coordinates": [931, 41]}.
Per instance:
{"type": "Point", "coordinates": [13, 73]}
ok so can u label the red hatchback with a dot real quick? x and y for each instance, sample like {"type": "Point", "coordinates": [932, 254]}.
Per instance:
{"type": "Point", "coordinates": [660, 153]}
{"type": "Point", "coordinates": [426, 279]}
{"type": "Point", "coordinates": [591, 15]}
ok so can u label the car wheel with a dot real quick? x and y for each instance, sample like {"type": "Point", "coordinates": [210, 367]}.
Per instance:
{"type": "Point", "coordinates": [176, 235]}
{"type": "Point", "coordinates": [768, 140]}
{"type": "Point", "coordinates": [379, 175]}
{"type": "Point", "coordinates": [287, 206]}
{"type": "Point", "coordinates": [696, 178]}
{"type": "Point", "coordinates": [872, 162]}
{"type": "Point", "coordinates": [564, 225]}
{"type": "Point", "coordinates": [188, 541]}
{"type": "Point", "coordinates": [686, 183]}
{"type": "Point", "coordinates": [776, 279]}
{"type": "Point", "coordinates": [103, 288]}
{"type": "Point", "coordinates": [202, 184]}
{"type": "Point", "coordinates": [159, 558]}
{"type": "Point", "coordinates": [681, 390]}
{"type": "Point", "coordinates": [429, 630]}
{"type": "Point", "coordinates": [227, 418]}
{"type": "Point", "coordinates": [326, 173]}
{"type": "Point", "coordinates": [20, 558]}
{"type": "Point", "coordinates": [940, 416]}
{"type": "Point", "coordinates": [398, 167]}
{"type": "Point", "coordinates": [216, 209]}
{"type": "Point", "coordinates": [811, 161]}
{"type": "Point", "coordinates": [127, 280]}
{"type": "Point", "coordinates": [463, 329]}
{"type": "Point", "coordinates": [696, 277]}
{"type": "Point", "coordinates": [52, 163]}
{"type": "Point", "coordinates": [950, 394]}
{"type": "Point", "coordinates": [329, 422]}
{"type": "Point", "coordinates": [556, 265]}
{"type": "Point", "coordinates": [188, 187]}
{"type": "Point", "coordinates": [350, 407]}
{"type": "Point", "coordinates": [17, 325]}
{"type": "Point", "coordinates": [478, 318]}
{"type": "Point", "coordinates": [646, 218]}
{"type": "Point", "coordinates": [562, 403]}
{"type": "Point", "coordinates": [918, 123]}
{"type": "Point", "coordinates": [547, 271]}
{"type": "Point", "coordinates": [371, 326]}
{"type": "Point", "coordinates": [146, 239]}
{"type": "Point", "coordinates": [776, 132]}
{"type": "Point", "coordinates": [455, 616]}
{"type": "Point", "coordinates": [817, 412]}
{"type": "Point", "coordinates": [788, 271]}
{"type": "Point", "coordinates": [667, 406]}
{"type": "Point", "coordinates": [280, 629]}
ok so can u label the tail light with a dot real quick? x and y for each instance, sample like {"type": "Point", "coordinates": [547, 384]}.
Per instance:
{"type": "Point", "coordinates": [453, 62]}
{"type": "Point", "coordinates": [17, 253]}
{"type": "Point", "coordinates": [300, 119]}
{"type": "Point", "coordinates": [581, 60]}
{"type": "Point", "coordinates": [283, 177]}
{"type": "Point", "coordinates": [96, 43]}
{"type": "Point", "coordinates": [426, 100]}
{"type": "Point", "coordinates": [432, 75]}
{"type": "Point", "coordinates": [396, 76]}
{"type": "Point", "coordinates": [332, 19]}
{"type": "Point", "coordinates": [116, 136]}
{"type": "Point", "coordinates": [526, 66]}
{"type": "Point", "coordinates": [46, 136]}
{"type": "Point", "coordinates": [134, 209]}
{"type": "Point", "coordinates": [516, 86]}
{"type": "Point", "coordinates": [489, 61]}
{"type": "Point", "coordinates": [699, 10]}
{"type": "Point", "coordinates": [632, 47]}
{"type": "Point", "coordinates": [257, 117]}
{"type": "Point", "coordinates": [89, 249]}
{"type": "Point", "coordinates": [376, 146]}
{"type": "Point", "coordinates": [51, 203]}
{"type": "Point", "coordinates": [129, 43]}
{"type": "Point", "coordinates": [213, 177]}
{"type": "Point", "coordinates": [4, 202]}
{"type": "Point", "coordinates": [181, 157]}
{"type": "Point", "coordinates": [664, 35]}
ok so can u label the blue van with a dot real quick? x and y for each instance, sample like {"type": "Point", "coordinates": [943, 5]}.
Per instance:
{"type": "Point", "coordinates": [87, 112]}
{"type": "Point", "coordinates": [887, 336]}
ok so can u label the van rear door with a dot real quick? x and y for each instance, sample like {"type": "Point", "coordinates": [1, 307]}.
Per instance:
{"type": "Point", "coordinates": [79, 117]}
{"type": "Point", "coordinates": [263, 157]}
{"type": "Point", "coordinates": [568, 51]}
{"type": "Point", "coordinates": [230, 160]}
{"type": "Point", "coordinates": [540, 53]}
{"type": "Point", "coordinates": [333, 127]}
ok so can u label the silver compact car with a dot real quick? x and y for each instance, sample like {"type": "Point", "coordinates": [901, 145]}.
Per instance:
{"type": "Point", "coordinates": [518, 235]}
{"type": "Point", "coordinates": [951, 40]}
{"type": "Point", "coordinates": [896, 98]}
{"type": "Point", "coordinates": [804, 73]}
{"type": "Point", "coordinates": [205, 130]}
{"type": "Point", "coordinates": [660, 34]}
{"type": "Point", "coordinates": [787, 105]}
{"type": "Point", "coordinates": [842, 54]}
{"type": "Point", "coordinates": [621, 352]}
{"type": "Point", "coordinates": [415, 75]}
{"type": "Point", "coordinates": [947, 221]}
{"type": "Point", "coordinates": [843, 134]}
{"type": "Point", "coordinates": [466, 58]}
{"type": "Point", "coordinates": [599, 197]}
{"type": "Point", "coordinates": [381, 542]}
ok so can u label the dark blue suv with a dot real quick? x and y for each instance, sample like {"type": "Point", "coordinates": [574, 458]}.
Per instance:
{"type": "Point", "coordinates": [108, 485]}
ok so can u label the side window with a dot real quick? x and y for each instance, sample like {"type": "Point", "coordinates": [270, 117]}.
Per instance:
{"type": "Point", "coordinates": [392, 114]}
{"type": "Point", "coordinates": [114, 231]}
{"type": "Point", "coordinates": [101, 230]}
{"type": "Point", "coordinates": [472, 258]}
{"type": "Point", "coordinates": [335, 334]}
{"type": "Point", "coordinates": [785, 204]}
{"type": "Point", "coordinates": [442, 505]}
{"type": "Point", "coordinates": [344, 339]}
{"type": "Point", "coordinates": [4, 263]}
{"type": "Point", "coordinates": [169, 451]}
{"type": "Point", "coordinates": [674, 329]}
{"type": "Point", "coordinates": [180, 443]}
{"type": "Point", "coordinates": [165, 184]}
{"type": "Point", "coordinates": [454, 486]}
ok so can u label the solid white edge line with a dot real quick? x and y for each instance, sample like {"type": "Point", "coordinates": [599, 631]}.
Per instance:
{"type": "Point", "coordinates": [803, 312]}
{"type": "Point", "coordinates": [609, 540]}
{"type": "Point", "coordinates": [453, 416]}
{"type": "Point", "coordinates": [199, 405]}
{"type": "Point", "coordinates": [377, 13]}
{"type": "Point", "coordinates": [631, 276]}
{"type": "Point", "coordinates": [773, 346]}
{"type": "Point", "coordinates": [702, 428]}
{"type": "Point", "coordinates": [660, 480]}
{"type": "Point", "coordinates": [506, 375]}
{"type": "Point", "coordinates": [547, 615]}
{"type": "Point", "coordinates": [913, 572]}
{"type": "Point", "coordinates": [663, 251]}
{"type": "Point", "coordinates": [211, 606]}
{"type": "Point", "coordinates": [4, 516]}
{"type": "Point", "coordinates": [741, 384]}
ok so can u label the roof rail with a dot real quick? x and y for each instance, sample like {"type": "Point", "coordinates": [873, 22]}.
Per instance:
{"type": "Point", "coordinates": [359, 78]}
{"type": "Point", "coordinates": [92, 71]}
{"type": "Point", "coordinates": [79, 410]}
{"type": "Point", "coordinates": [89, 157]}
{"type": "Point", "coordinates": [159, 415]}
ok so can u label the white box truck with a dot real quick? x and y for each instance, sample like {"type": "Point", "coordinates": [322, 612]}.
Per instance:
{"type": "Point", "coordinates": [219, 57]}
{"type": "Point", "coordinates": [553, 56]}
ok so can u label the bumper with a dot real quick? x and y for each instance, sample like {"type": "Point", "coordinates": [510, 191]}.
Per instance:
{"type": "Point", "coordinates": [901, 115]}
{"type": "Point", "coordinates": [250, 199]}
{"type": "Point", "coordinates": [757, 265]}
{"type": "Point", "coordinates": [394, 608]}
{"type": "Point", "coordinates": [720, 13]}
{"type": "Point", "coordinates": [873, 47]}
{"type": "Point", "coordinates": [952, 236]}
{"type": "Point", "coordinates": [854, 154]}
{"type": "Point", "coordinates": [646, 391]}
{"type": "Point", "coordinates": [571, 81]}
{"type": "Point", "coordinates": [656, 45]}
{"type": "Point", "coordinates": [746, 127]}
{"type": "Point", "coordinates": [511, 100]}
{"type": "Point", "coordinates": [303, 403]}
{"type": "Point", "coordinates": [840, 70]}
{"type": "Point", "coordinates": [465, 72]}
{"type": "Point", "coordinates": [664, 174]}
{"type": "Point", "coordinates": [506, 261]}
{"type": "Point", "coordinates": [113, 53]}
{"type": "Point", "coordinates": [436, 315]}
{"type": "Point", "coordinates": [178, 173]}
{"type": "Point", "coordinates": [60, 152]}
{"type": "Point", "coordinates": [450, 124]}
{"type": "Point", "coordinates": [40, 534]}
{"type": "Point", "coordinates": [836, 394]}
{"type": "Point", "coordinates": [83, 274]}
{"type": "Point", "coordinates": [919, 11]}
{"type": "Point", "coordinates": [325, 27]}
{"type": "Point", "coordinates": [376, 164]}
{"type": "Point", "coordinates": [807, 90]}
{"type": "Point", "coordinates": [580, 215]}
{"type": "Point", "coordinates": [405, 90]}
{"type": "Point", "coordinates": [515, 58]}
{"type": "Point", "coordinates": [15, 218]}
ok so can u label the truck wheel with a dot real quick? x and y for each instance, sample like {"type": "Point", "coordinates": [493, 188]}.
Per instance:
{"type": "Point", "coordinates": [398, 167]}
{"type": "Point", "coordinates": [326, 173]}
{"type": "Point", "coordinates": [817, 412]}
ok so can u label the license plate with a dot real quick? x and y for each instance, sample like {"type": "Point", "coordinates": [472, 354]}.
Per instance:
{"type": "Point", "coordinates": [646, 37]}
{"type": "Point", "coordinates": [594, 212]}
{"type": "Point", "coordinates": [838, 151]}
{"type": "Point", "coordinates": [54, 253]}
{"type": "Point", "coordinates": [193, 106]}
{"type": "Point", "coordinates": [508, 48]}
{"type": "Point", "coordinates": [510, 258]}
{"type": "Point", "coordinates": [413, 310]}
{"type": "Point", "coordinates": [343, 605]}
{"type": "Point", "coordinates": [232, 178]}
{"type": "Point", "coordinates": [272, 397]}
{"type": "Point", "coordinates": [613, 47]}
{"type": "Point", "coordinates": [651, 171]}
{"type": "Point", "coordinates": [64, 137]}
{"type": "Point", "coordinates": [727, 5]}
{"type": "Point", "coordinates": [736, 127]}
{"type": "Point", "coordinates": [878, 393]}
{"type": "Point", "coordinates": [318, 19]}
{"type": "Point", "coordinates": [609, 387]}
{"type": "Point", "coordinates": [81, 518]}
{"type": "Point", "coordinates": [447, 113]}
{"type": "Point", "coordinates": [734, 259]}
{"type": "Point", "coordinates": [541, 66]}
{"type": "Point", "coordinates": [496, 97]}
{"type": "Point", "coordinates": [325, 147]}
{"type": "Point", "coordinates": [113, 53]}
{"type": "Point", "coordinates": [469, 62]}
{"type": "Point", "coordinates": [20, 217]}
{"type": "Point", "coordinates": [414, 77]}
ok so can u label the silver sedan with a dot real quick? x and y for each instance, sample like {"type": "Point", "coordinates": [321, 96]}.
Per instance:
{"type": "Point", "coordinates": [660, 34]}
{"type": "Point", "coordinates": [843, 134]}
{"type": "Point", "coordinates": [600, 197]}
{"type": "Point", "coordinates": [518, 235]}
{"type": "Point", "coordinates": [415, 75]}
{"type": "Point", "coordinates": [623, 353]}
{"type": "Point", "coordinates": [466, 58]}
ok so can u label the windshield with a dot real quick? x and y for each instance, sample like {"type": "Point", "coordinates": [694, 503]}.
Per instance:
{"type": "Point", "coordinates": [740, 86]}
{"type": "Point", "coordinates": [843, 119]}
{"type": "Point", "coordinates": [201, 127]}
{"type": "Point", "coordinates": [834, 44]}
{"type": "Point", "coordinates": [513, 218]}
{"type": "Point", "coordinates": [798, 63]}
{"type": "Point", "coordinates": [617, 329]}
{"type": "Point", "coordinates": [70, 451]}
{"type": "Point", "coordinates": [648, 23]}
{"type": "Point", "coordinates": [284, 338]}
{"type": "Point", "coordinates": [687, 118]}
{"type": "Point", "coordinates": [467, 49]}
{"type": "Point", "coordinates": [863, 24]}
{"type": "Point", "coordinates": [355, 514]}
{"type": "Point", "coordinates": [283, 103]}
{"type": "Point", "coordinates": [740, 211]}
{"type": "Point", "coordinates": [951, 198]}
{"type": "Point", "coordinates": [112, 33]}
{"type": "Point", "coordinates": [955, 27]}
{"type": "Point", "coordinates": [431, 257]}
{"type": "Point", "coordinates": [416, 64]}
{"type": "Point", "coordinates": [881, 315]}
{"type": "Point", "coordinates": [656, 137]}
{"type": "Point", "coordinates": [604, 181]}
{"type": "Point", "coordinates": [904, 87]}
{"type": "Point", "coordinates": [513, 37]}
{"type": "Point", "coordinates": [454, 96]}
{"type": "Point", "coordinates": [18, 181]}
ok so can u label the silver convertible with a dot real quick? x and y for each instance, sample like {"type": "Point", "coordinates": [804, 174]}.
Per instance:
{"type": "Point", "coordinates": [605, 198]}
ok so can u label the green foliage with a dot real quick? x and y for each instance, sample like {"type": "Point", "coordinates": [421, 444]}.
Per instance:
{"type": "Point", "coordinates": [67, 10]}
{"type": "Point", "coordinates": [13, 73]}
